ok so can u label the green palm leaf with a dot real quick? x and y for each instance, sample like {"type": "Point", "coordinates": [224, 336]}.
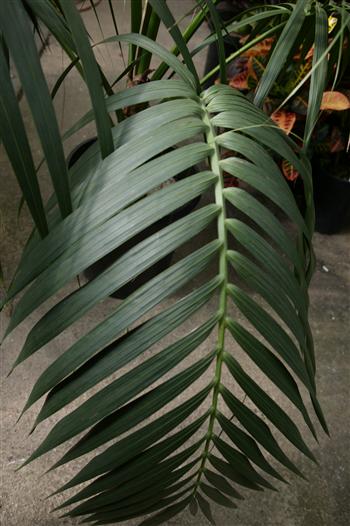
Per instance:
{"type": "Point", "coordinates": [192, 453]}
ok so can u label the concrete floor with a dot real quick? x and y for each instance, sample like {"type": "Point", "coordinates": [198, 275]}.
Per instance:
{"type": "Point", "coordinates": [323, 501]}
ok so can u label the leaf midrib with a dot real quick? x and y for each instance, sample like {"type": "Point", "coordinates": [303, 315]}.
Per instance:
{"type": "Point", "coordinates": [214, 161]}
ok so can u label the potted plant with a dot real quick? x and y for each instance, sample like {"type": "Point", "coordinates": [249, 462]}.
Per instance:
{"type": "Point", "coordinates": [192, 454]}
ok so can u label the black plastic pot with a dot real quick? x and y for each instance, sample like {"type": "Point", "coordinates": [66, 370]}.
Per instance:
{"type": "Point", "coordinates": [332, 201]}
{"type": "Point", "coordinates": [78, 151]}
{"type": "Point", "coordinates": [101, 265]}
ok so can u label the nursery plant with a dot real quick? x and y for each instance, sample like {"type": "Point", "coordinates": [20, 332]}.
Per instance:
{"type": "Point", "coordinates": [210, 444]}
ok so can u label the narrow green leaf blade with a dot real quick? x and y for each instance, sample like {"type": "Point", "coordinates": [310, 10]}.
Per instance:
{"type": "Point", "coordinates": [272, 262]}
{"type": "Point", "coordinates": [14, 22]}
{"type": "Point", "coordinates": [319, 73]}
{"type": "Point", "coordinates": [135, 412]}
{"type": "Point", "coordinates": [155, 90]}
{"type": "Point", "coordinates": [266, 220]}
{"type": "Point", "coordinates": [168, 20]}
{"type": "Point", "coordinates": [272, 332]}
{"type": "Point", "coordinates": [131, 446]}
{"type": "Point", "coordinates": [123, 389]}
{"type": "Point", "coordinates": [221, 483]}
{"type": "Point", "coordinates": [107, 237]}
{"type": "Point", "coordinates": [157, 49]}
{"type": "Point", "coordinates": [230, 471]}
{"type": "Point", "coordinates": [261, 282]}
{"type": "Point", "coordinates": [125, 269]}
{"type": "Point", "coordinates": [15, 141]}
{"type": "Point", "coordinates": [92, 77]}
{"type": "Point", "coordinates": [269, 408]}
{"type": "Point", "coordinates": [130, 310]}
{"type": "Point", "coordinates": [271, 366]}
{"type": "Point", "coordinates": [215, 495]}
{"type": "Point", "coordinates": [126, 349]}
{"type": "Point", "coordinates": [258, 429]}
{"type": "Point", "coordinates": [106, 203]}
{"type": "Point", "coordinates": [137, 474]}
{"type": "Point", "coordinates": [281, 51]}
{"type": "Point", "coordinates": [168, 513]}
{"type": "Point", "coordinates": [240, 463]}
{"type": "Point", "coordinates": [247, 445]}
{"type": "Point", "coordinates": [205, 508]}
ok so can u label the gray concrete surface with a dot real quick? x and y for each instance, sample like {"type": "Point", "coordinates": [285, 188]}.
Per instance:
{"type": "Point", "coordinates": [323, 501]}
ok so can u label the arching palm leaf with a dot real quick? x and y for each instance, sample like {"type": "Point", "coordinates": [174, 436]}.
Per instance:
{"type": "Point", "coordinates": [192, 453]}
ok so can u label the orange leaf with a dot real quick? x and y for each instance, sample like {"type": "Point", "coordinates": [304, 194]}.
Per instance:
{"type": "Point", "coordinates": [288, 171]}
{"type": "Point", "coordinates": [334, 100]}
{"type": "Point", "coordinates": [284, 120]}
{"type": "Point", "coordinates": [310, 53]}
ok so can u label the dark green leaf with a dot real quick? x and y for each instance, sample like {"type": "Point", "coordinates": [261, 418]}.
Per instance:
{"type": "Point", "coordinates": [14, 139]}
{"type": "Point", "coordinates": [230, 471]}
{"type": "Point", "coordinates": [221, 483]}
{"type": "Point", "coordinates": [25, 56]}
{"type": "Point", "coordinates": [216, 496]}
{"type": "Point", "coordinates": [205, 508]}
{"type": "Point", "coordinates": [281, 50]}
{"type": "Point", "coordinates": [166, 514]}
{"type": "Point", "coordinates": [268, 406]}
{"type": "Point", "coordinates": [136, 476]}
{"type": "Point", "coordinates": [130, 457]}
{"type": "Point", "coordinates": [319, 73]}
{"type": "Point", "coordinates": [123, 389]}
{"type": "Point", "coordinates": [136, 411]}
{"type": "Point", "coordinates": [126, 349]}
{"type": "Point", "coordinates": [92, 77]}
{"type": "Point", "coordinates": [240, 463]}
{"type": "Point", "coordinates": [271, 366]}
{"type": "Point", "coordinates": [168, 20]}
{"type": "Point", "coordinates": [258, 429]}
{"type": "Point", "coordinates": [153, 47]}
{"type": "Point", "coordinates": [272, 332]}
{"type": "Point", "coordinates": [247, 445]}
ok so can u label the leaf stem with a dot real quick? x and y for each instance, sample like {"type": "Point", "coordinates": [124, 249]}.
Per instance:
{"type": "Point", "coordinates": [222, 235]}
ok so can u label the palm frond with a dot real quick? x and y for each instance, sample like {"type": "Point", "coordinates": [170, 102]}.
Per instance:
{"type": "Point", "coordinates": [192, 454]}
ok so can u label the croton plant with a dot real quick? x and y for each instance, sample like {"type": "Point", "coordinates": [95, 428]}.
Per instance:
{"type": "Point", "coordinates": [287, 104]}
